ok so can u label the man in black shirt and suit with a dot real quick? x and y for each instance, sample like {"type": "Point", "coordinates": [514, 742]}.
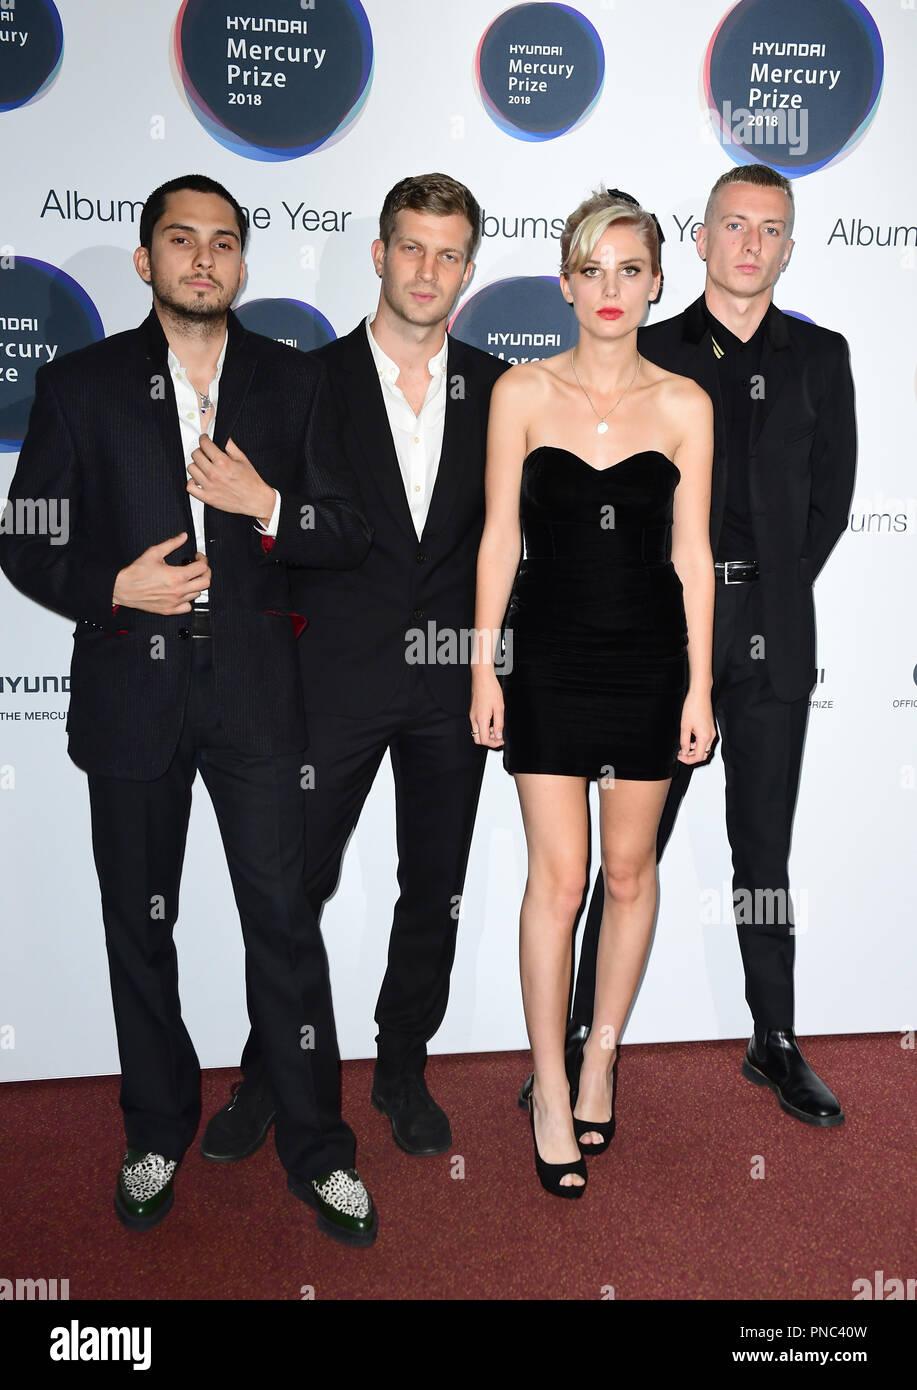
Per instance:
{"type": "Point", "coordinates": [413, 405]}
{"type": "Point", "coordinates": [783, 471]}
{"type": "Point", "coordinates": [195, 460]}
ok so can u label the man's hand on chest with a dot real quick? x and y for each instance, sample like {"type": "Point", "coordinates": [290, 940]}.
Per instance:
{"type": "Point", "coordinates": [227, 480]}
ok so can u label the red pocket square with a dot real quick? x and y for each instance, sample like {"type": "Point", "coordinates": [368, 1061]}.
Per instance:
{"type": "Point", "coordinates": [297, 619]}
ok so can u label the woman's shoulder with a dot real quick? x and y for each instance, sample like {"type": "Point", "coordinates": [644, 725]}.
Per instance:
{"type": "Point", "coordinates": [530, 379]}
{"type": "Point", "coordinates": [681, 392]}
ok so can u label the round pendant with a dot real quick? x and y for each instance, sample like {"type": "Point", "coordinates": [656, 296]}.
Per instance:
{"type": "Point", "coordinates": [601, 428]}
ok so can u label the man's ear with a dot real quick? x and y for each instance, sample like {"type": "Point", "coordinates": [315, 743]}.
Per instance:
{"type": "Point", "coordinates": [377, 251]}
{"type": "Point", "coordinates": [701, 242]}
{"type": "Point", "coordinates": [787, 253]}
{"type": "Point", "coordinates": [142, 263]}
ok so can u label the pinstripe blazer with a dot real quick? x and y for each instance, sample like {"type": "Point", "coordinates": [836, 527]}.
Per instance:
{"type": "Point", "coordinates": [104, 438]}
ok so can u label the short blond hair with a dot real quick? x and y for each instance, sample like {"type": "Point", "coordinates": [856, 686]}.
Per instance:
{"type": "Point", "coordinates": [759, 176]}
{"type": "Point", "coordinates": [585, 227]}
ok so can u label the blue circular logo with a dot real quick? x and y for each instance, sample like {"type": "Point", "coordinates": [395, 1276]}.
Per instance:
{"type": "Point", "coordinates": [539, 70]}
{"type": "Point", "coordinates": [31, 48]}
{"type": "Point", "coordinates": [521, 319]}
{"type": "Point", "coordinates": [279, 86]}
{"type": "Point", "coordinates": [793, 83]}
{"type": "Point", "coordinates": [45, 315]}
{"type": "Point", "coordinates": [287, 321]}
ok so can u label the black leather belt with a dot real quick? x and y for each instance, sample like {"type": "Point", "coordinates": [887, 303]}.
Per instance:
{"type": "Point", "coordinates": [736, 571]}
{"type": "Point", "coordinates": [200, 622]}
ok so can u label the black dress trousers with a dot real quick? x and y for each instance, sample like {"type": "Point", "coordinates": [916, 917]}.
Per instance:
{"type": "Point", "coordinates": [139, 830]}
{"type": "Point", "coordinates": [437, 769]}
{"type": "Point", "coordinates": [761, 742]}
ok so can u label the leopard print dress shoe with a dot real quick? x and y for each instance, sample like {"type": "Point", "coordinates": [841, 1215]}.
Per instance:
{"type": "Point", "coordinates": [344, 1206]}
{"type": "Point", "coordinates": [144, 1194]}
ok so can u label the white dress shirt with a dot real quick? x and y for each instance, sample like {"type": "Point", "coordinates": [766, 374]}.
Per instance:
{"type": "Point", "coordinates": [192, 427]}
{"type": "Point", "coordinates": [418, 439]}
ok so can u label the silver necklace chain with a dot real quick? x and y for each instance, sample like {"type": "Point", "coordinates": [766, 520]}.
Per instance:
{"type": "Point", "coordinates": [601, 427]}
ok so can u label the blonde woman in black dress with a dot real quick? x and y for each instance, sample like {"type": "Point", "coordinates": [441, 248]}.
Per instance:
{"type": "Point", "coordinates": [603, 461]}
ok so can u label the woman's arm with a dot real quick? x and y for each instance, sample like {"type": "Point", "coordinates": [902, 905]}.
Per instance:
{"type": "Point", "coordinates": [501, 545]}
{"type": "Point", "coordinates": [693, 562]}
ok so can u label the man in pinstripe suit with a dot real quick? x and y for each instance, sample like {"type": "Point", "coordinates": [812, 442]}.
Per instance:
{"type": "Point", "coordinates": [195, 461]}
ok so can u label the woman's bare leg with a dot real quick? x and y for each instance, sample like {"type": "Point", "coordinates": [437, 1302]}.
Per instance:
{"type": "Point", "coordinates": [629, 817]}
{"type": "Point", "coordinates": [555, 816]}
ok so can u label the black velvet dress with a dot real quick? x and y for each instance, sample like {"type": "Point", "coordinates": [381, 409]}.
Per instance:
{"type": "Point", "coordinates": [596, 665]}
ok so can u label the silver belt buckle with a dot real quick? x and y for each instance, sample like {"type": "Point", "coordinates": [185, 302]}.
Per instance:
{"type": "Point", "coordinates": [726, 564]}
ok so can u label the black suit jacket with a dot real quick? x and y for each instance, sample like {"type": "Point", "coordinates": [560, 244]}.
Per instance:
{"type": "Point", "coordinates": [354, 649]}
{"type": "Point", "coordinates": [104, 435]}
{"type": "Point", "coordinates": [801, 462]}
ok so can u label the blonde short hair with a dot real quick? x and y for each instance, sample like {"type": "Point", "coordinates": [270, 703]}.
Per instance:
{"type": "Point", "coordinates": [759, 176]}
{"type": "Point", "coordinates": [585, 227]}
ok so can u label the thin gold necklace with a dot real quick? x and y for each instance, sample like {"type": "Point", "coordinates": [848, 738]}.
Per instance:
{"type": "Point", "coordinates": [601, 427]}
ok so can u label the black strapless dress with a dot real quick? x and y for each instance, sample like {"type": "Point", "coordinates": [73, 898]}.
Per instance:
{"type": "Point", "coordinates": [596, 663]}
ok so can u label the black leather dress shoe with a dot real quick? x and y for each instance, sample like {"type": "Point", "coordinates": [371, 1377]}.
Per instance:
{"type": "Point", "coordinates": [419, 1126]}
{"type": "Point", "coordinates": [777, 1062]}
{"type": "Point", "coordinates": [240, 1127]}
{"type": "Point", "coordinates": [345, 1209]}
{"type": "Point", "coordinates": [577, 1033]}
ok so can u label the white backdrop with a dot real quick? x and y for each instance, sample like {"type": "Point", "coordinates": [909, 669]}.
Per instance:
{"type": "Point", "coordinates": [113, 124]}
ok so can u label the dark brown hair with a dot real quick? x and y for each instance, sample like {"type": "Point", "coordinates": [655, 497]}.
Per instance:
{"type": "Point", "coordinates": [155, 205]}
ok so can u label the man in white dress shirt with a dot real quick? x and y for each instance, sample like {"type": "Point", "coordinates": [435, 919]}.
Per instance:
{"type": "Point", "coordinates": [386, 653]}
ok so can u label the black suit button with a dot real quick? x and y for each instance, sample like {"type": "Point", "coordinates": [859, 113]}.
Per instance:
{"type": "Point", "coordinates": [184, 632]}
{"type": "Point", "coordinates": [420, 556]}
{"type": "Point", "coordinates": [418, 612]}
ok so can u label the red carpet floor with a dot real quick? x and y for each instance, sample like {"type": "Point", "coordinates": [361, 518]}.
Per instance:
{"type": "Point", "coordinates": [671, 1210]}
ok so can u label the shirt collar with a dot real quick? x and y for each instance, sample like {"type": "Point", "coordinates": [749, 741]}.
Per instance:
{"type": "Point", "coordinates": [726, 338]}
{"type": "Point", "coordinates": [174, 361]}
{"type": "Point", "coordinates": [390, 370]}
